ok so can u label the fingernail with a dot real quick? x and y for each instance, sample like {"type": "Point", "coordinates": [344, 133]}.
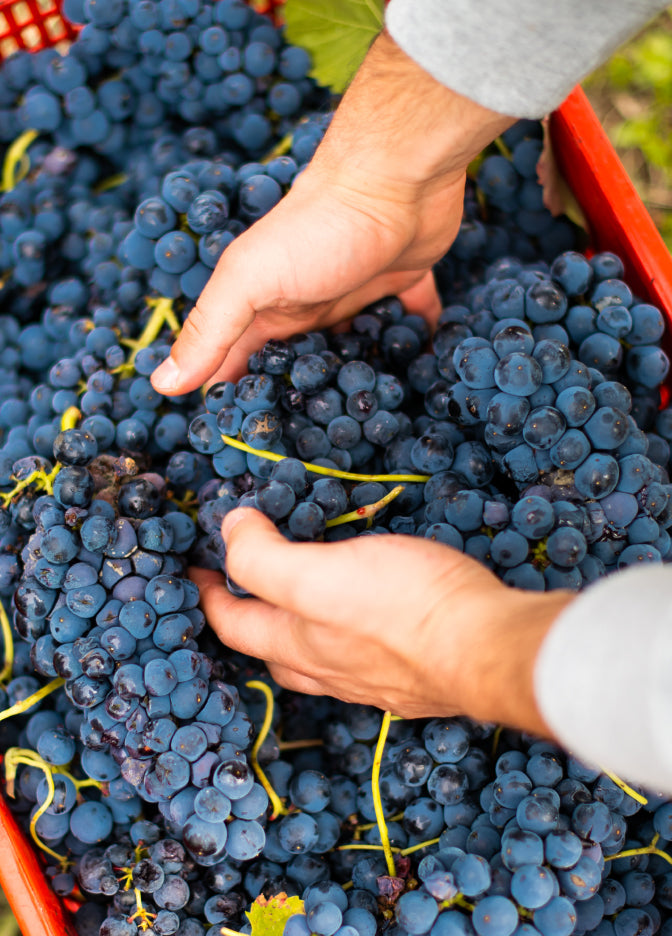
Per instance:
{"type": "Point", "coordinates": [232, 519]}
{"type": "Point", "coordinates": [167, 375]}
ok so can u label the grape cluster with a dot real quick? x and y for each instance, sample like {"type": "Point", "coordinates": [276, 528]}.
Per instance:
{"type": "Point", "coordinates": [168, 780]}
{"type": "Point", "coordinates": [541, 462]}
{"type": "Point", "coordinates": [180, 233]}
{"type": "Point", "coordinates": [517, 223]}
{"type": "Point", "coordinates": [128, 101]}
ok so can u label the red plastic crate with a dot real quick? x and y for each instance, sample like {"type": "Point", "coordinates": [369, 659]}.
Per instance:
{"type": "Point", "coordinates": [32, 25]}
{"type": "Point", "coordinates": [617, 221]}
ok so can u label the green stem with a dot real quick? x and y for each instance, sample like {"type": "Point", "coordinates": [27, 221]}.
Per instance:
{"type": "Point", "coordinates": [375, 790]}
{"type": "Point", "coordinates": [25, 704]}
{"type": "Point", "coordinates": [279, 808]}
{"type": "Point", "coordinates": [368, 511]}
{"type": "Point", "coordinates": [162, 314]}
{"type": "Point", "coordinates": [320, 469]}
{"type": "Point", "coordinates": [14, 166]}
{"type": "Point", "coordinates": [621, 784]}
{"type": "Point", "coordinates": [8, 641]}
{"type": "Point", "coordinates": [13, 758]}
{"type": "Point", "coordinates": [111, 182]}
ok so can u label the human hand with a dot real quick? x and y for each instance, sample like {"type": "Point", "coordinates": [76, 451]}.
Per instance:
{"type": "Point", "coordinates": [402, 623]}
{"type": "Point", "coordinates": [380, 202]}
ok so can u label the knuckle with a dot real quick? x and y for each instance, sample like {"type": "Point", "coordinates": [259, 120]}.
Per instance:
{"type": "Point", "coordinates": [196, 326]}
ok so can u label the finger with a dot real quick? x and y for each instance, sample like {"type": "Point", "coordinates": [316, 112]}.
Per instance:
{"type": "Point", "coordinates": [321, 582]}
{"type": "Point", "coordinates": [244, 624]}
{"type": "Point", "coordinates": [297, 682]}
{"type": "Point", "coordinates": [323, 315]}
{"type": "Point", "coordinates": [423, 299]}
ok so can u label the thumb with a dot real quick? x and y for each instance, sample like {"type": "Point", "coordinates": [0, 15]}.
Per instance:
{"type": "Point", "coordinates": [223, 312]}
{"type": "Point", "coordinates": [304, 578]}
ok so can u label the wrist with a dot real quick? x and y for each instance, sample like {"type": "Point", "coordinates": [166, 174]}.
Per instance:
{"type": "Point", "coordinates": [399, 128]}
{"type": "Point", "coordinates": [509, 637]}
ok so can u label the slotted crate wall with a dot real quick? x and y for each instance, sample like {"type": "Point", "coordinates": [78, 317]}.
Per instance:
{"type": "Point", "coordinates": [32, 25]}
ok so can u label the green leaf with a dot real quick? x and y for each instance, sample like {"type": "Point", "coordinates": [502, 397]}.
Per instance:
{"type": "Point", "coordinates": [268, 917]}
{"type": "Point", "coordinates": [337, 33]}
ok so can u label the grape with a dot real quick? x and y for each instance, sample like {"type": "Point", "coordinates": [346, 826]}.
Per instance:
{"type": "Point", "coordinates": [562, 461]}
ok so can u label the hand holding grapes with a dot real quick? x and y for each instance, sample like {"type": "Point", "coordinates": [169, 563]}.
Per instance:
{"type": "Point", "coordinates": [380, 203]}
{"type": "Point", "coordinates": [393, 621]}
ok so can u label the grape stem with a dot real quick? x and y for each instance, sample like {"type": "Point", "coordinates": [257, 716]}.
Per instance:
{"type": "Point", "coordinates": [621, 784]}
{"type": "Point", "coordinates": [375, 791]}
{"type": "Point", "coordinates": [162, 314]}
{"type": "Point", "coordinates": [359, 846]}
{"type": "Point", "coordinates": [25, 704]}
{"type": "Point", "coordinates": [70, 418]}
{"type": "Point", "coordinates": [299, 745]}
{"type": "Point", "coordinates": [372, 825]}
{"type": "Point", "coordinates": [495, 738]}
{"type": "Point", "coordinates": [645, 850]}
{"type": "Point", "coordinates": [17, 165]}
{"type": "Point", "coordinates": [320, 469]}
{"type": "Point", "coordinates": [284, 146]}
{"type": "Point", "coordinates": [8, 641]}
{"type": "Point", "coordinates": [13, 758]}
{"type": "Point", "coordinates": [368, 511]}
{"type": "Point", "coordinates": [144, 916]}
{"type": "Point", "coordinates": [279, 808]}
{"type": "Point", "coordinates": [111, 182]}
{"type": "Point", "coordinates": [44, 479]}
{"type": "Point", "coordinates": [126, 878]}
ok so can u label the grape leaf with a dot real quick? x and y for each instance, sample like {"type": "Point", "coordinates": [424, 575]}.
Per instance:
{"type": "Point", "coordinates": [337, 33]}
{"type": "Point", "coordinates": [268, 917]}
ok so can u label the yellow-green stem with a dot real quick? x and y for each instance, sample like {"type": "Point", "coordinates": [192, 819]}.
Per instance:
{"type": "Point", "coordinates": [279, 808]}
{"type": "Point", "coordinates": [23, 756]}
{"type": "Point", "coordinates": [14, 168]}
{"type": "Point", "coordinates": [25, 704]}
{"type": "Point", "coordinates": [397, 817]}
{"type": "Point", "coordinates": [359, 846]}
{"type": "Point", "coordinates": [367, 512]}
{"type": "Point", "coordinates": [320, 469]}
{"type": "Point", "coordinates": [375, 790]}
{"type": "Point", "coordinates": [162, 314]}
{"type": "Point", "coordinates": [144, 916]}
{"type": "Point", "coordinates": [111, 182]}
{"type": "Point", "coordinates": [414, 848]}
{"type": "Point", "coordinates": [621, 784]}
{"type": "Point", "coordinates": [645, 850]}
{"type": "Point", "coordinates": [70, 418]}
{"type": "Point", "coordinates": [8, 642]}
{"type": "Point", "coordinates": [279, 149]}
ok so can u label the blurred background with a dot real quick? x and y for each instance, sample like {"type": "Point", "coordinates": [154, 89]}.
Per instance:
{"type": "Point", "coordinates": [632, 96]}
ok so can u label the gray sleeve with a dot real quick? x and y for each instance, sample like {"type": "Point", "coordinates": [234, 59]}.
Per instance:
{"type": "Point", "coordinates": [517, 57]}
{"type": "Point", "coordinates": [603, 677]}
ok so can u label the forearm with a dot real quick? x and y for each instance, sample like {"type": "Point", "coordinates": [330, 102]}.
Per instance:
{"type": "Point", "coordinates": [499, 673]}
{"type": "Point", "coordinates": [398, 127]}
{"type": "Point", "coordinates": [517, 57]}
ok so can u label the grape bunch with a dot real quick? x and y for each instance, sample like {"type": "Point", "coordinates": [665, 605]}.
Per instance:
{"type": "Point", "coordinates": [169, 782]}
{"type": "Point", "coordinates": [105, 607]}
{"type": "Point", "coordinates": [180, 233]}
{"type": "Point", "coordinates": [135, 90]}
{"type": "Point", "coordinates": [135, 67]}
{"type": "Point", "coordinates": [516, 222]}
{"type": "Point", "coordinates": [515, 439]}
